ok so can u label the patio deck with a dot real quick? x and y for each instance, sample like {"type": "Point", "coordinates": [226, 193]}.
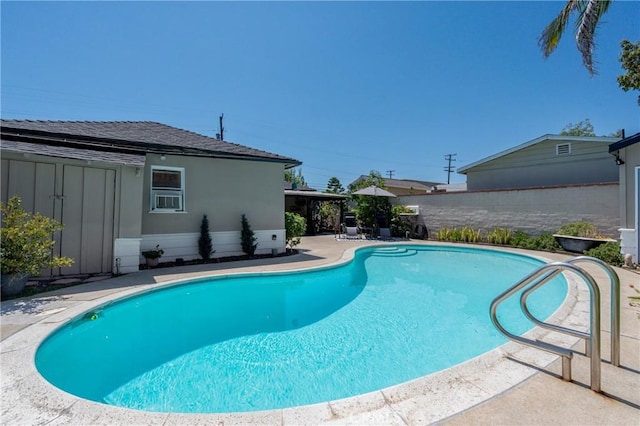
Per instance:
{"type": "Point", "coordinates": [510, 385]}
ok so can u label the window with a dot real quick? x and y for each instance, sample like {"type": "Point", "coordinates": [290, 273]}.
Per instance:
{"type": "Point", "coordinates": [563, 149]}
{"type": "Point", "coordinates": [167, 189]}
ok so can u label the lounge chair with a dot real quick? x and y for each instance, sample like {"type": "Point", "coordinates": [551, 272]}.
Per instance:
{"type": "Point", "coordinates": [384, 232]}
{"type": "Point", "coordinates": [351, 226]}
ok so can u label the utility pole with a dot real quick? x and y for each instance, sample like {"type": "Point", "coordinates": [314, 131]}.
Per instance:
{"type": "Point", "coordinates": [221, 134]}
{"type": "Point", "coordinates": [449, 168]}
{"type": "Point", "coordinates": [391, 172]}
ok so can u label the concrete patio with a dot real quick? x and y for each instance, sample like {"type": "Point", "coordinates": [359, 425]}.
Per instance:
{"type": "Point", "coordinates": [512, 384]}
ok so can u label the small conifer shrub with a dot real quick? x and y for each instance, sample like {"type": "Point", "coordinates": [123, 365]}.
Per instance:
{"type": "Point", "coordinates": [247, 238]}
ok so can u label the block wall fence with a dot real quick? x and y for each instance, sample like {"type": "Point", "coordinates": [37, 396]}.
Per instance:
{"type": "Point", "coordinates": [532, 210]}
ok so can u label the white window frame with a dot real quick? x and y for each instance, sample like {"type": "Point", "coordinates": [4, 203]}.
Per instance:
{"type": "Point", "coordinates": [155, 192]}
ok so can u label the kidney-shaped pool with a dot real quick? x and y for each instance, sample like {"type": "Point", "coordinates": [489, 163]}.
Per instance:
{"type": "Point", "coordinates": [267, 341]}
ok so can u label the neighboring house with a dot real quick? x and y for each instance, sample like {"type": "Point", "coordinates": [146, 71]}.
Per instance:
{"type": "Point", "coordinates": [123, 187]}
{"type": "Point", "coordinates": [627, 156]}
{"type": "Point", "coordinates": [549, 160]}
{"type": "Point", "coordinates": [404, 186]}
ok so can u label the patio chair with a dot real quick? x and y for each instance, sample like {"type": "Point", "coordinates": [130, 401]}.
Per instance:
{"type": "Point", "coordinates": [384, 232]}
{"type": "Point", "coordinates": [351, 226]}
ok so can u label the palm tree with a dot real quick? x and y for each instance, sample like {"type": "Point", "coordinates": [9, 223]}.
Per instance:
{"type": "Point", "coordinates": [590, 12]}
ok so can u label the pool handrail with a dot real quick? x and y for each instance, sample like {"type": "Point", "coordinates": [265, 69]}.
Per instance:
{"type": "Point", "coordinates": [538, 278]}
{"type": "Point", "coordinates": [615, 308]}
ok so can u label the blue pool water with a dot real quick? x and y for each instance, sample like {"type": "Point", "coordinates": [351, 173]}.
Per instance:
{"type": "Point", "coordinates": [269, 341]}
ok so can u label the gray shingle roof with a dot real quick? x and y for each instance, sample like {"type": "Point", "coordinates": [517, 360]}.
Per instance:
{"type": "Point", "coordinates": [75, 153]}
{"type": "Point", "coordinates": [137, 135]}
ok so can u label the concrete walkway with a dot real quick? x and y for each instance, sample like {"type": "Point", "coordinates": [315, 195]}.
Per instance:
{"type": "Point", "coordinates": [510, 385]}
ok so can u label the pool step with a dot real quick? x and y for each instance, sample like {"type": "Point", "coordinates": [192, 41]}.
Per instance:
{"type": "Point", "coordinates": [394, 252]}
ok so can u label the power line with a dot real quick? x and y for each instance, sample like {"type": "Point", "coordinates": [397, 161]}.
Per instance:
{"type": "Point", "coordinates": [390, 172]}
{"type": "Point", "coordinates": [449, 168]}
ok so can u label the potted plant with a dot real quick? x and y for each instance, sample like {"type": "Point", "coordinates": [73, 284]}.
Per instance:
{"type": "Point", "coordinates": [26, 246]}
{"type": "Point", "coordinates": [578, 237]}
{"type": "Point", "coordinates": [152, 256]}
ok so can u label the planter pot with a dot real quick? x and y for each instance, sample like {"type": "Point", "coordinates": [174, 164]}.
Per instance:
{"type": "Point", "coordinates": [13, 284]}
{"type": "Point", "coordinates": [579, 244]}
{"type": "Point", "coordinates": [152, 263]}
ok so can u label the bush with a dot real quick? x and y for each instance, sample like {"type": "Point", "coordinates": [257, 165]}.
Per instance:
{"type": "Point", "coordinates": [400, 227]}
{"type": "Point", "coordinates": [295, 226]}
{"type": "Point", "coordinates": [247, 238]}
{"type": "Point", "coordinates": [205, 245]}
{"type": "Point", "coordinates": [545, 242]}
{"type": "Point", "coordinates": [448, 234]}
{"type": "Point", "coordinates": [519, 239]}
{"type": "Point", "coordinates": [608, 252]}
{"type": "Point", "coordinates": [26, 241]}
{"type": "Point", "coordinates": [579, 229]}
{"type": "Point", "coordinates": [469, 235]}
{"type": "Point", "coordinates": [499, 236]}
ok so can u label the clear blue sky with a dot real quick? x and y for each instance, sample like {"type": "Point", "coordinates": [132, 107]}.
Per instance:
{"type": "Point", "coordinates": [344, 87]}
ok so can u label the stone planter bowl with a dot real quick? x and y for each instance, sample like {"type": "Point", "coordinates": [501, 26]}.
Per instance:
{"type": "Point", "coordinates": [579, 244]}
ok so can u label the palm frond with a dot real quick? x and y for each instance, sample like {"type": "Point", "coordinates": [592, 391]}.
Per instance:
{"type": "Point", "coordinates": [585, 35]}
{"type": "Point", "coordinates": [550, 37]}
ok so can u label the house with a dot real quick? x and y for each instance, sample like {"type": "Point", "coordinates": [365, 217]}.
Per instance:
{"type": "Point", "coordinates": [403, 186]}
{"type": "Point", "coordinates": [627, 156]}
{"type": "Point", "coordinates": [549, 160]}
{"type": "Point", "coordinates": [123, 187]}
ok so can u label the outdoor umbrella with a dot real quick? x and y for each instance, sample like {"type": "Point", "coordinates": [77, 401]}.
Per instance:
{"type": "Point", "coordinates": [375, 191]}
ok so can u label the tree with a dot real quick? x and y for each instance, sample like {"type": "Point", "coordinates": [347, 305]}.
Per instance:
{"type": "Point", "coordinates": [373, 178]}
{"type": "Point", "coordinates": [589, 14]}
{"type": "Point", "coordinates": [291, 176]}
{"type": "Point", "coordinates": [630, 60]}
{"type": "Point", "coordinates": [334, 186]}
{"type": "Point", "coordinates": [583, 128]}
{"type": "Point", "coordinates": [205, 246]}
{"type": "Point", "coordinates": [367, 206]}
{"type": "Point", "coordinates": [247, 237]}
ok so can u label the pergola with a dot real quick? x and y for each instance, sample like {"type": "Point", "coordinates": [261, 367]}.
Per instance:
{"type": "Point", "coordinates": [304, 202]}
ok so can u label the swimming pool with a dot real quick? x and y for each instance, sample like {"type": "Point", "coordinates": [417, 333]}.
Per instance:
{"type": "Point", "coordinates": [278, 340]}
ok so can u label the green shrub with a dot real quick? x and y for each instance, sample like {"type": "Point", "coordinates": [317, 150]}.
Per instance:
{"type": "Point", "coordinates": [499, 236]}
{"type": "Point", "coordinates": [608, 252]}
{"type": "Point", "coordinates": [26, 241]}
{"type": "Point", "coordinates": [469, 235]}
{"type": "Point", "coordinates": [579, 229]}
{"type": "Point", "coordinates": [519, 239]}
{"type": "Point", "coordinates": [205, 245]}
{"type": "Point", "coordinates": [400, 227]}
{"type": "Point", "coordinates": [449, 234]}
{"type": "Point", "coordinates": [247, 238]}
{"type": "Point", "coordinates": [545, 242]}
{"type": "Point", "coordinates": [295, 226]}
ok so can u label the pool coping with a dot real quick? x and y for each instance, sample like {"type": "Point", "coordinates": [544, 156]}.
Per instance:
{"type": "Point", "coordinates": [426, 399]}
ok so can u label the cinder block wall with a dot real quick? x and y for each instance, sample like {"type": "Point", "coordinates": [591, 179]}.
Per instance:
{"type": "Point", "coordinates": [532, 210]}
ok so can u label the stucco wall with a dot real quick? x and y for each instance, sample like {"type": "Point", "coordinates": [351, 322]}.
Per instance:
{"type": "Point", "coordinates": [533, 211]}
{"type": "Point", "coordinates": [223, 190]}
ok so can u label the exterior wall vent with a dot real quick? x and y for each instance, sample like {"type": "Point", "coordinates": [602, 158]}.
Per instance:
{"type": "Point", "coordinates": [563, 149]}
